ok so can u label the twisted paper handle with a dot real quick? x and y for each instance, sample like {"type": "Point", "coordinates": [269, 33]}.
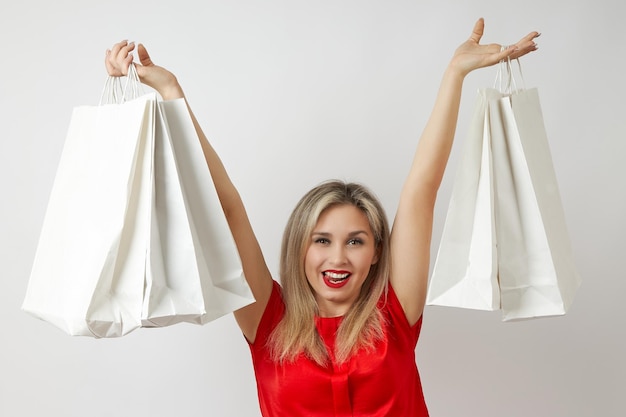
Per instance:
{"type": "Point", "coordinates": [114, 93]}
{"type": "Point", "coordinates": [507, 84]}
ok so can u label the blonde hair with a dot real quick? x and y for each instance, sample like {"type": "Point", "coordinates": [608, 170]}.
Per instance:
{"type": "Point", "coordinates": [362, 325]}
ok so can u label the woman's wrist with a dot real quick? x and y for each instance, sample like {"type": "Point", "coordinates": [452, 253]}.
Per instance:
{"type": "Point", "coordinates": [454, 75]}
{"type": "Point", "coordinates": [164, 82]}
{"type": "Point", "coordinates": [167, 86]}
{"type": "Point", "coordinates": [172, 92]}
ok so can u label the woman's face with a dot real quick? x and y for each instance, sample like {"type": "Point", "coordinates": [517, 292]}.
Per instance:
{"type": "Point", "coordinates": [338, 259]}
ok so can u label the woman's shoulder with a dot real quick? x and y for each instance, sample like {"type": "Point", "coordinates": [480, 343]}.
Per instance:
{"type": "Point", "coordinates": [391, 307]}
{"type": "Point", "coordinates": [273, 313]}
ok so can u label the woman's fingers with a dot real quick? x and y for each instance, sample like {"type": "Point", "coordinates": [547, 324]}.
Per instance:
{"type": "Point", "coordinates": [144, 58]}
{"type": "Point", "coordinates": [526, 44]}
{"type": "Point", "coordinates": [477, 32]}
{"type": "Point", "coordinates": [119, 58]}
{"type": "Point", "coordinates": [522, 47]}
{"type": "Point", "coordinates": [107, 63]}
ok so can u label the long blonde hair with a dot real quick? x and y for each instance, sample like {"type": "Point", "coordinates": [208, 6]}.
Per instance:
{"type": "Point", "coordinates": [362, 325]}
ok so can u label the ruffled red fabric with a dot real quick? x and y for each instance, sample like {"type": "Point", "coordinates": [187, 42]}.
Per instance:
{"type": "Point", "coordinates": [383, 382]}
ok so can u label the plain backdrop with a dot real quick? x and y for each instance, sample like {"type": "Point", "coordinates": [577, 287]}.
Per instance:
{"type": "Point", "coordinates": [292, 93]}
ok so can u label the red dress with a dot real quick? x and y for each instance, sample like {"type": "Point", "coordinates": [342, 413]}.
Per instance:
{"type": "Point", "coordinates": [384, 382]}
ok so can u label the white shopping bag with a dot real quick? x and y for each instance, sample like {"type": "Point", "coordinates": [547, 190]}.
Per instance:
{"type": "Point", "coordinates": [134, 234]}
{"type": "Point", "coordinates": [465, 271]}
{"type": "Point", "coordinates": [536, 266]}
{"type": "Point", "coordinates": [87, 276]}
{"type": "Point", "coordinates": [195, 273]}
{"type": "Point", "coordinates": [536, 275]}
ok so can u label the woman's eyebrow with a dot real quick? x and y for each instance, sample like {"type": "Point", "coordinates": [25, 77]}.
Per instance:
{"type": "Point", "coordinates": [328, 234]}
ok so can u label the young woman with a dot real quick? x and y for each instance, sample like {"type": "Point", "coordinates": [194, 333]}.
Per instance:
{"type": "Point", "coordinates": [338, 337]}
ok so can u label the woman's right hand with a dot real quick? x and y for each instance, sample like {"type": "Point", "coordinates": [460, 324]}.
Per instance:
{"type": "Point", "coordinates": [119, 58]}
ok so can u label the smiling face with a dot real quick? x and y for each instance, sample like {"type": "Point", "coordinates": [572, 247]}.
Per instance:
{"type": "Point", "coordinates": [341, 251]}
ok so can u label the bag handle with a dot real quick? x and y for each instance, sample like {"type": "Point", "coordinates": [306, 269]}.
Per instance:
{"type": "Point", "coordinates": [132, 89]}
{"type": "Point", "coordinates": [111, 91]}
{"type": "Point", "coordinates": [114, 93]}
{"type": "Point", "coordinates": [505, 79]}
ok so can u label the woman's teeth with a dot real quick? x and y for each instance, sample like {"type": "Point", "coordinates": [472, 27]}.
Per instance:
{"type": "Point", "coordinates": [336, 277]}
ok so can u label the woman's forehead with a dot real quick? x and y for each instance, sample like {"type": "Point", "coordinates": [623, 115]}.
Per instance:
{"type": "Point", "coordinates": [346, 218]}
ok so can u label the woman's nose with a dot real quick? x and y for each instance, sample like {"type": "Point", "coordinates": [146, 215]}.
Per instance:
{"type": "Point", "coordinates": [338, 255]}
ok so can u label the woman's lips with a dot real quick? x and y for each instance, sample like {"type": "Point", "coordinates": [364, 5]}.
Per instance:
{"type": "Point", "coordinates": [336, 279]}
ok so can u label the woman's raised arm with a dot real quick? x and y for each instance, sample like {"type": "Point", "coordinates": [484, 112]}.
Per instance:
{"type": "Point", "coordinates": [412, 229]}
{"type": "Point", "coordinates": [257, 274]}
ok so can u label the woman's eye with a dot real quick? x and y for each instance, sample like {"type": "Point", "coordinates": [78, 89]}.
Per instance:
{"type": "Point", "coordinates": [322, 241]}
{"type": "Point", "coordinates": [355, 242]}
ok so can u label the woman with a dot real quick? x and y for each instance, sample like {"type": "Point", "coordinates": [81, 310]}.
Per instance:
{"type": "Point", "coordinates": [338, 337]}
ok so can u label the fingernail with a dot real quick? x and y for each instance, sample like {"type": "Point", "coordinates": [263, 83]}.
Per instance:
{"type": "Point", "coordinates": [538, 34]}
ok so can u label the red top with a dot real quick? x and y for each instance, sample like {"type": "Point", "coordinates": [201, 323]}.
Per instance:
{"type": "Point", "coordinates": [384, 382]}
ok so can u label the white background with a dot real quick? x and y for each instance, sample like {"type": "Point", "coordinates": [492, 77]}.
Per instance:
{"type": "Point", "coordinates": [292, 93]}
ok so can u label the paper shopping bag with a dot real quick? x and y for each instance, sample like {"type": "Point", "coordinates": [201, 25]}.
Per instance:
{"type": "Point", "coordinates": [134, 234]}
{"type": "Point", "coordinates": [194, 271]}
{"type": "Point", "coordinates": [535, 262]}
{"type": "Point", "coordinates": [535, 272]}
{"type": "Point", "coordinates": [465, 271]}
{"type": "Point", "coordinates": [87, 276]}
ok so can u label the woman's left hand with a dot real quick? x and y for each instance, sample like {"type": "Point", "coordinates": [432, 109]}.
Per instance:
{"type": "Point", "coordinates": [472, 55]}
